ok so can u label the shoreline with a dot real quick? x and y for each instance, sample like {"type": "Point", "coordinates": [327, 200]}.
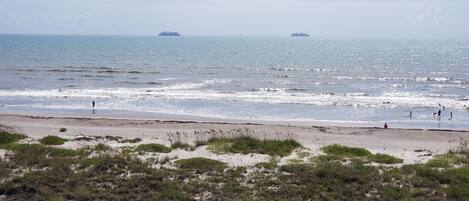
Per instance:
{"type": "Point", "coordinates": [403, 143]}
{"type": "Point", "coordinates": [123, 115]}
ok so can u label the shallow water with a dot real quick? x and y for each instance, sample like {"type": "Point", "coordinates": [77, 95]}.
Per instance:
{"type": "Point", "coordinates": [279, 79]}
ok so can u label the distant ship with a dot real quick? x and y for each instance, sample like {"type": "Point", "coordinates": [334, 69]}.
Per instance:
{"type": "Point", "coordinates": [299, 35]}
{"type": "Point", "coordinates": [169, 33]}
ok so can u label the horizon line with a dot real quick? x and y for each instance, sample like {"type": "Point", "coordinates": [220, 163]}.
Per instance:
{"type": "Point", "coordinates": [239, 35]}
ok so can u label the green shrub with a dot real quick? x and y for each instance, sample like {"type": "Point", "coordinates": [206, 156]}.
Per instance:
{"type": "Point", "coordinates": [37, 154]}
{"type": "Point", "coordinates": [52, 140]}
{"type": "Point", "coordinates": [6, 137]}
{"type": "Point", "coordinates": [201, 164]}
{"type": "Point", "coordinates": [247, 145]}
{"type": "Point", "coordinates": [62, 130]}
{"type": "Point", "coordinates": [445, 160]}
{"type": "Point", "coordinates": [340, 150]}
{"type": "Point", "coordinates": [153, 148]}
{"type": "Point", "coordinates": [385, 159]}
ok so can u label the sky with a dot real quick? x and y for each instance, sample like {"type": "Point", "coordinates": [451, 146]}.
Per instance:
{"type": "Point", "coordinates": [319, 18]}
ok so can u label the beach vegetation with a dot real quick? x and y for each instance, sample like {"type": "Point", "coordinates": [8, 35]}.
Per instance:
{"type": "Point", "coordinates": [52, 140]}
{"type": "Point", "coordinates": [182, 145]}
{"type": "Point", "coordinates": [39, 172]}
{"type": "Point", "coordinates": [7, 137]}
{"type": "Point", "coordinates": [100, 147]}
{"type": "Point", "coordinates": [339, 150]}
{"type": "Point", "coordinates": [246, 145]}
{"type": "Point", "coordinates": [201, 164]}
{"type": "Point", "coordinates": [62, 130]}
{"type": "Point", "coordinates": [152, 147]}
{"type": "Point", "coordinates": [385, 159]}
{"type": "Point", "coordinates": [357, 155]}
{"type": "Point", "coordinates": [271, 164]}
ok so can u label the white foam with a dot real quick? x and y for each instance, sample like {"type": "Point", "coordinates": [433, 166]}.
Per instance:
{"type": "Point", "coordinates": [195, 91]}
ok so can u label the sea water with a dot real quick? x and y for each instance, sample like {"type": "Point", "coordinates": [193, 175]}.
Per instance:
{"type": "Point", "coordinates": [371, 81]}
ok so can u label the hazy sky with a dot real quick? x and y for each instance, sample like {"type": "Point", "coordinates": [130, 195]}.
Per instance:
{"type": "Point", "coordinates": [322, 18]}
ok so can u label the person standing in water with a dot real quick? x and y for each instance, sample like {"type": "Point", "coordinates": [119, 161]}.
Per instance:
{"type": "Point", "coordinates": [410, 115]}
{"type": "Point", "coordinates": [385, 125]}
{"type": "Point", "coordinates": [439, 113]}
{"type": "Point", "coordinates": [450, 115]}
{"type": "Point", "coordinates": [93, 103]}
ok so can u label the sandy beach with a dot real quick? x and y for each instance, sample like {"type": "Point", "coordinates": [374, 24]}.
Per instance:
{"type": "Point", "coordinates": [412, 145]}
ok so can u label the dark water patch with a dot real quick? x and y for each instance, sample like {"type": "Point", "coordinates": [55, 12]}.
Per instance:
{"type": "Point", "coordinates": [25, 70]}
{"type": "Point", "coordinates": [154, 83]}
{"type": "Point", "coordinates": [69, 71]}
{"type": "Point", "coordinates": [126, 82]}
{"type": "Point", "coordinates": [67, 78]}
{"type": "Point", "coordinates": [281, 76]}
{"type": "Point", "coordinates": [80, 71]}
{"type": "Point", "coordinates": [322, 70]}
{"type": "Point", "coordinates": [297, 89]}
{"type": "Point", "coordinates": [267, 89]}
{"type": "Point", "coordinates": [103, 68]}
{"type": "Point", "coordinates": [109, 71]}
{"type": "Point", "coordinates": [135, 72]}
{"type": "Point", "coordinates": [56, 71]}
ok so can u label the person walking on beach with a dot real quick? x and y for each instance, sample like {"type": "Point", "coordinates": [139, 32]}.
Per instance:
{"type": "Point", "coordinates": [385, 125]}
{"type": "Point", "coordinates": [450, 115]}
{"type": "Point", "coordinates": [93, 103]}
{"type": "Point", "coordinates": [410, 115]}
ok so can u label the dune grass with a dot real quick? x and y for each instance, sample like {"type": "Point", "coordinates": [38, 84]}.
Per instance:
{"type": "Point", "coordinates": [446, 160]}
{"type": "Point", "coordinates": [201, 164]}
{"type": "Point", "coordinates": [340, 150]}
{"type": "Point", "coordinates": [6, 137]}
{"type": "Point", "coordinates": [337, 152]}
{"type": "Point", "coordinates": [52, 140]}
{"type": "Point", "coordinates": [39, 172]}
{"type": "Point", "coordinates": [181, 145]}
{"type": "Point", "coordinates": [385, 159]}
{"type": "Point", "coordinates": [153, 148]}
{"type": "Point", "coordinates": [246, 145]}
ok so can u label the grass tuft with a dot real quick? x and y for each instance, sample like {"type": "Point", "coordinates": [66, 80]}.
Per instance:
{"type": "Point", "coordinates": [445, 160]}
{"type": "Point", "coordinates": [153, 148]}
{"type": "Point", "coordinates": [102, 147]}
{"type": "Point", "coordinates": [201, 164]}
{"type": "Point", "coordinates": [52, 140]}
{"type": "Point", "coordinates": [272, 164]}
{"type": "Point", "coordinates": [340, 150]}
{"type": "Point", "coordinates": [6, 137]}
{"type": "Point", "coordinates": [385, 159]}
{"type": "Point", "coordinates": [181, 145]}
{"type": "Point", "coordinates": [247, 145]}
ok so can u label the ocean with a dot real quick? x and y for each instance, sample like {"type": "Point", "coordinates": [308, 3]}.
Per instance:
{"type": "Point", "coordinates": [340, 81]}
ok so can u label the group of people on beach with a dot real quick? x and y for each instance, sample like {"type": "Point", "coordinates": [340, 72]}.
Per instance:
{"type": "Point", "coordinates": [438, 114]}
